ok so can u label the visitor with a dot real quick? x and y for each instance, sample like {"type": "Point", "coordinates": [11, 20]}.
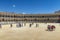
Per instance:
{"type": "Point", "coordinates": [20, 25]}
{"type": "Point", "coordinates": [36, 25]}
{"type": "Point", "coordinates": [30, 25]}
{"type": "Point", "coordinates": [52, 27]}
{"type": "Point", "coordinates": [49, 28]}
{"type": "Point", "coordinates": [0, 25]}
{"type": "Point", "coordinates": [11, 25]}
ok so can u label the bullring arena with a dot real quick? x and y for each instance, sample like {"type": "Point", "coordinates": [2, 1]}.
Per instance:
{"type": "Point", "coordinates": [11, 30]}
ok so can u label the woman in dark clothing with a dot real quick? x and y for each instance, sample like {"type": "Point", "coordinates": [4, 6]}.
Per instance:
{"type": "Point", "coordinates": [52, 27]}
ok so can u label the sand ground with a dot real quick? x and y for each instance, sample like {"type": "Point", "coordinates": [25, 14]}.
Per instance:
{"type": "Point", "coordinates": [27, 33]}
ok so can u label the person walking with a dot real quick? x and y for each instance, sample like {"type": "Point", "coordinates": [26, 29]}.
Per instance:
{"type": "Point", "coordinates": [49, 28]}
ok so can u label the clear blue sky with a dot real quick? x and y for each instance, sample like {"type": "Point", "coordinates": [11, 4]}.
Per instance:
{"type": "Point", "coordinates": [29, 6]}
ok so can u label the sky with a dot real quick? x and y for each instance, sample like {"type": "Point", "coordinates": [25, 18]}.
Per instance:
{"type": "Point", "coordinates": [30, 6]}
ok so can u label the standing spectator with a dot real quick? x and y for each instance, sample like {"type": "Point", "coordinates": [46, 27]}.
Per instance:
{"type": "Point", "coordinates": [0, 25]}
{"type": "Point", "coordinates": [30, 25]}
{"type": "Point", "coordinates": [36, 25]}
{"type": "Point", "coordinates": [11, 25]}
{"type": "Point", "coordinates": [49, 28]}
{"type": "Point", "coordinates": [19, 25]}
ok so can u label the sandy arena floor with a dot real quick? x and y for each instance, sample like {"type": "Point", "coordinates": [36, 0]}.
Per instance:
{"type": "Point", "coordinates": [28, 34]}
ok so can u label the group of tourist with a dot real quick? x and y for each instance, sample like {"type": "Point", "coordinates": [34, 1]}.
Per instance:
{"type": "Point", "coordinates": [24, 24]}
{"type": "Point", "coordinates": [51, 27]}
